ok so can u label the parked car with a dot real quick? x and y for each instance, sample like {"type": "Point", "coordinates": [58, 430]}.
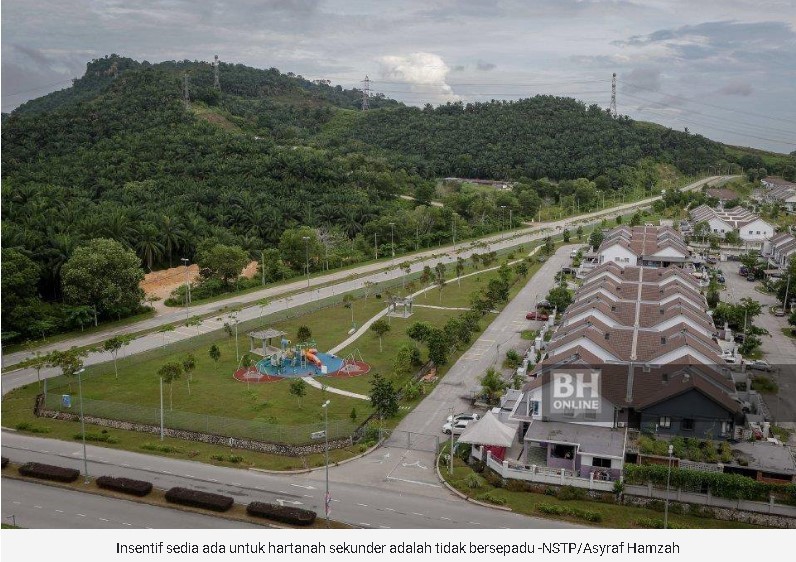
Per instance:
{"type": "Point", "coordinates": [464, 416]}
{"type": "Point", "coordinates": [544, 304]}
{"type": "Point", "coordinates": [759, 365]}
{"type": "Point", "coordinates": [729, 357]}
{"type": "Point", "coordinates": [712, 261]}
{"type": "Point", "coordinates": [739, 338]}
{"type": "Point", "coordinates": [751, 277]}
{"type": "Point", "coordinates": [779, 312]}
{"type": "Point", "coordinates": [457, 428]}
{"type": "Point", "coordinates": [537, 316]}
{"type": "Point", "coordinates": [720, 278]}
{"type": "Point", "coordinates": [743, 270]}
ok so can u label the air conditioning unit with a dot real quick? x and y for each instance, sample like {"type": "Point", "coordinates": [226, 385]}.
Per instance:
{"type": "Point", "coordinates": [621, 424]}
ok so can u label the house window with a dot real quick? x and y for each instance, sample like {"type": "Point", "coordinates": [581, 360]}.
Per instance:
{"type": "Point", "coordinates": [758, 232]}
{"type": "Point", "coordinates": [616, 259]}
{"type": "Point", "coordinates": [601, 462]}
{"type": "Point", "coordinates": [569, 414]}
{"type": "Point", "coordinates": [663, 341]}
{"type": "Point", "coordinates": [687, 424]}
{"type": "Point", "coordinates": [590, 416]}
{"type": "Point", "coordinates": [665, 422]}
{"type": "Point", "coordinates": [726, 428]}
{"type": "Point", "coordinates": [750, 232]}
{"type": "Point", "coordinates": [607, 335]}
{"type": "Point", "coordinates": [534, 408]}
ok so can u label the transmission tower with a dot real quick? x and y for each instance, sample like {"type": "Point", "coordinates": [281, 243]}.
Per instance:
{"type": "Point", "coordinates": [216, 83]}
{"type": "Point", "coordinates": [612, 109]}
{"type": "Point", "coordinates": [185, 97]}
{"type": "Point", "coordinates": [365, 93]}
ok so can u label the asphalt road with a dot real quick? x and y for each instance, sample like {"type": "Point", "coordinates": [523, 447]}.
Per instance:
{"type": "Point", "coordinates": [778, 349]}
{"type": "Point", "coordinates": [348, 280]}
{"type": "Point", "coordinates": [360, 503]}
{"type": "Point", "coordinates": [37, 506]}
{"type": "Point", "coordinates": [405, 464]}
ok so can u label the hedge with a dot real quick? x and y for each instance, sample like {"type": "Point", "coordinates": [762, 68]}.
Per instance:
{"type": "Point", "coordinates": [49, 472]}
{"type": "Point", "coordinates": [731, 486]}
{"type": "Point", "coordinates": [195, 498]}
{"type": "Point", "coordinates": [138, 488]}
{"type": "Point", "coordinates": [3, 462]}
{"type": "Point", "coordinates": [283, 514]}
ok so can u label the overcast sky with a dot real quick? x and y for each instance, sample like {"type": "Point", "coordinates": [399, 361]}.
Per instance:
{"type": "Point", "coordinates": [723, 68]}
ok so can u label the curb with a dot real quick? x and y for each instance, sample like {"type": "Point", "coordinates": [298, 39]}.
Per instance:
{"type": "Point", "coordinates": [308, 470]}
{"type": "Point", "coordinates": [464, 496]}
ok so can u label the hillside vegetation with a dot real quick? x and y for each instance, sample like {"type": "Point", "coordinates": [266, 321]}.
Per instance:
{"type": "Point", "coordinates": [272, 158]}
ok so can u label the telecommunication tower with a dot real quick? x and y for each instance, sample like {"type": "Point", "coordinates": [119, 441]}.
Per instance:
{"type": "Point", "coordinates": [365, 93]}
{"type": "Point", "coordinates": [612, 109]}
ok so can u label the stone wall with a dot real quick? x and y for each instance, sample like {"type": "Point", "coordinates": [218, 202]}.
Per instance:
{"type": "Point", "coordinates": [223, 440]}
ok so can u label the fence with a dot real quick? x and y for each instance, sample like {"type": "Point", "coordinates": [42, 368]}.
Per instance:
{"type": "Point", "coordinates": [204, 423]}
{"type": "Point", "coordinates": [412, 440]}
{"type": "Point", "coordinates": [709, 500]}
{"type": "Point", "coordinates": [544, 475]}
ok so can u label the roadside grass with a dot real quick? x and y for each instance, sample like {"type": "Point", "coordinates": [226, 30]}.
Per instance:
{"type": "Point", "coordinates": [614, 516]}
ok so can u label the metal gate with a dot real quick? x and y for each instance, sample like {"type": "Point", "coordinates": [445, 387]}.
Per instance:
{"type": "Point", "coordinates": [412, 440]}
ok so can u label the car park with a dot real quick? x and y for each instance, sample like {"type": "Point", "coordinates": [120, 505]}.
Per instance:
{"type": "Point", "coordinates": [455, 428]}
{"type": "Point", "coordinates": [533, 315]}
{"type": "Point", "coordinates": [463, 416]}
{"type": "Point", "coordinates": [779, 312]}
{"type": "Point", "coordinates": [751, 277]}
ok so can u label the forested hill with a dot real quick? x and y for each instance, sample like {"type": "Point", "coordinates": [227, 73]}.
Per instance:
{"type": "Point", "coordinates": [544, 136]}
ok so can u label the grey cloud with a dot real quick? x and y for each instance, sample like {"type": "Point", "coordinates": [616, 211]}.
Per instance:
{"type": "Point", "coordinates": [743, 89]}
{"type": "Point", "coordinates": [485, 66]}
{"type": "Point", "coordinates": [458, 68]}
{"type": "Point", "coordinates": [641, 79]}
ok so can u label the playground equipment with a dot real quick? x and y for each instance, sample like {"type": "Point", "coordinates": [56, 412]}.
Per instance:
{"type": "Point", "coordinates": [309, 354]}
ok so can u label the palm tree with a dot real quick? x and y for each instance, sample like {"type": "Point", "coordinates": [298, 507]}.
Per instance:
{"type": "Point", "coordinates": [148, 246]}
{"type": "Point", "coordinates": [171, 235]}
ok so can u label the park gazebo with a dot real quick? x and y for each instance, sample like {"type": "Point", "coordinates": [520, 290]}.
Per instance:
{"type": "Point", "coordinates": [491, 435]}
{"type": "Point", "coordinates": [263, 340]}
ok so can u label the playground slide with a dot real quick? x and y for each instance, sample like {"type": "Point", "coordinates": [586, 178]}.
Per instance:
{"type": "Point", "coordinates": [312, 358]}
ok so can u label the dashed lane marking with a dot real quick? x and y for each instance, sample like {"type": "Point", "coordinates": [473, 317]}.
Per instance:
{"type": "Point", "coordinates": [362, 505]}
{"type": "Point", "coordinates": [79, 514]}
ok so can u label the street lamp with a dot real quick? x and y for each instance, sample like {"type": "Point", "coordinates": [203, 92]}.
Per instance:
{"type": "Point", "coordinates": [327, 498]}
{"type": "Point", "coordinates": [187, 298]}
{"type": "Point", "coordinates": [668, 479]}
{"type": "Point", "coordinates": [234, 316]}
{"type": "Point", "coordinates": [82, 424]}
{"type": "Point", "coordinates": [454, 232]}
{"type": "Point", "coordinates": [503, 217]}
{"type": "Point", "coordinates": [392, 239]}
{"type": "Point", "coordinates": [307, 257]}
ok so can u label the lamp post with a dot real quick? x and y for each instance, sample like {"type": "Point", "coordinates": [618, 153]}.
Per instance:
{"type": "Point", "coordinates": [454, 232]}
{"type": "Point", "coordinates": [502, 218]}
{"type": "Point", "coordinates": [392, 239]}
{"type": "Point", "coordinates": [668, 480]}
{"type": "Point", "coordinates": [327, 498]}
{"type": "Point", "coordinates": [234, 316]}
{"type": "Point", "coordinates": [307, 257]}
{"type": "Point", "coordinates": [82, 424]}
{"type": "Point", "coordinates": [376, 244]}
{"type": "Point", "coordinates": [162, 430]}
{"type": "Point", "coordinates": [186, 298]}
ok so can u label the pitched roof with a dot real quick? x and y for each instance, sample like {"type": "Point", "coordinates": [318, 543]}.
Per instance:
{"type": "Point", "coordinates": [488, 431]}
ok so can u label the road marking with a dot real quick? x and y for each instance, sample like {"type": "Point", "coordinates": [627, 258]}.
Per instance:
{"type": "Point", "coordinates": [16, 503]}
{"type": "Point", "coordinates": [445, 518]}
{"type": "Point", "coordinates": [419, 514]}
{"type": "Point", "coordinates": [474, 523]}
{"type": "Point", "coordinates": [362, 505]}
{"type": "Point", "coordinates": [213, 480]}
{"type": "Point", "coordinates": [305, 487]}
{"type": "Point", "coordinates": [126, 524]}
{"type": "Point", "coordinates": [388, 509]}
{"type": "Point", "coordinates": [165, 472]}
{"type": "Point", "coordinates": [59, 511]}
{"type": "Point", "coordinates": [190, 476]}
{"type": "Point", "coordinates": [307, 496]}
{"type": "Point", "coordinates": [413, 481]}
{"type": "Point", "coordinates": [37, 506]}
{"type": "Point", "coordinates": [383, 527]}
{"type": "Point", "coordinates": [366, 524]}
{"type": "Point", "coordinates": [103, 519]}
{"type": "Point", "coordinates": [236, 483]}
{"type": "Point", "coordinates": [80, 515]}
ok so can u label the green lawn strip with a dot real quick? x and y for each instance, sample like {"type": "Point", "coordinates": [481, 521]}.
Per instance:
{"type": "Point", "coordinates": [613, 515]}
{"type": "Point", "coordinates": [157, 498]}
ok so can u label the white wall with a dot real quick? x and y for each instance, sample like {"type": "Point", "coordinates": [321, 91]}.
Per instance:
{"type": "Point", "coordinates": [760, 231]}
{"type": "Point", "coordinates": [619, 255]}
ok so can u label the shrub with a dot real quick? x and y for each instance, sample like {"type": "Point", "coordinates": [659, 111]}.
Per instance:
{"type": "Point", "coordinates": [3, 462]}
{"type": "Point", "coordinates": [491, 498]}
{"type": "Point", "coordinates": [463, 451]}
{"type": "Point", "coordinates": [473, 481]}
{"type": "Point", "coordinates": [283, 514]}
{"type": "Point", "coordinates": [571, 493]}
{"type": "Point", "coordinates": [649, 523]}
{"type": "Point", "coordinates": [49, 472]}
{"type": "Point", "coordinates": [494, 478]}
{"type": "Point", "coordinates": [585, 514]}
{"type": "Point", "coordinates": [235, 459]}
{"type": "Point", "coordinates": [160, 448]}
{"type": "Point", "coordinates": [96, 437]}
{"type": "Point", "coordinates": [138, 488]}
{"type": "Point", "coordinates": [195, 498]}
{"type": "Point", "coordinates": [27, 426]}
{"type": "Point", "coordinates": [515, 486]}
{"type": "Point", "coordinates": [478, 466]}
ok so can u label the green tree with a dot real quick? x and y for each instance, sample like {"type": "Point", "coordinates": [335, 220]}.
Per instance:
{"type": "Point", "coordinates": [19, 282]}
{"type": "Point", "coordinates": [105, 275]}
{"type": "Point", "coordinates": [493, 386]}
{"type": "Point", "coordinates": [406, 358]}
{"type": "Point", "coordinates": [380, 327]}
{"type": "Point", "coordinates": [565, 235]}
{"type": "Point", "coordinates": [579, 232]}
{"type": "Point", "coordinates": [419, 331]}
{"type": "Point", "coordinates": [214, 353]}
{"type": "Point", "coordinates": [222, 262]}
{"type": "Point", "coordinates": [348, 302]}
{"type": "Point", "coordinates": [169, 373]}
{"type": "Point", "coordinates": [70, 362]}
{"type": "Point", "coordinates": [560, 297]}
{"type": "Point", "coordinates": [113, 345]}
{"type": "Point", "coordinates": [188, 366]}
{"type": "Point", "coordinates": [353, 415]}
{"type": "Point", "coordinates": [439, 343]}
{"type": "Point", "coordinates": [298, 388]}
{"type": "Point", "coordinates": [295, 250]}
{"type": "Point", "coordinates": [459, 270]}
{"type": "Point", "coordinates": [304, 334]}
{"type": "Point", "coordinates": [521, 269]}
{"type": "Point", "coordinates": [383, 397]}
{"type": "Point", "coordinates": [595, 239]}
{"type": "Point", "coordinates": [38, 362]}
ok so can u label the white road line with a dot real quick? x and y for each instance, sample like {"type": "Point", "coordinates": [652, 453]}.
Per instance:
{"type": "Point", "coordinates": [190, 476]}
{"type": "Point", "coordinates": [362, 505]}
{"type": "Point", "coordinates": [59, 511]}
{"type": "Point", "coordinates": [445, 518]}
{"type": "Point", "coordinates": [413, 481]}
{"type": "Point", "coordinates": [236, 483]}
{"type": "Point", "coordinates": [474, 523]}
{"type": "Point", "coordinates": [307, 496]}
{"type": "Point", "coordinates": [103, 519]}
{"type": "Point", "coordinates": [16, 503]}
{"type": "Point", "coordinates": [126, 524]}
{"type": "Point", "coordinates": [213, 480]}
{"type": "Point", "coordinates": [165, 472]}
{"type": "Point", "coordinates": [388, 509]}
{"type": "Point", "coordinates": [418, 514]}
{"type": "Point", "coordinates": [366, 524]}
{"type": "Point", "coordinates": [79, 514]}
{"type": "Point", "coordinates": [383, 527]}
{"type": "Point", "coordinates": [37, 506]}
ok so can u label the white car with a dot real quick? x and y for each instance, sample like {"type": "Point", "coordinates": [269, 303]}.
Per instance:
{"type": "Point", "coordinates": [457, 428]}
{"type": "Point", "coordinates": [463, 416]}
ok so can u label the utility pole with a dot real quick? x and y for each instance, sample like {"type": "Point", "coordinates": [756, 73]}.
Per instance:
{"type": "Point", "coordinates": [612, 109]}
{"type": "Point", "coordinates": [327, 500]}
{"type": "Point", "coordinates": [365, 93]}
{"type": "Point", "coordinates": [454, 233]}
{"type": "Point", "coordinates": [216, 83]}
{"type": "Point", "coordinates": [161, 409]}
{"type": "Point", "coordinates": [307, 256]}
{"type": "Point", "coordinates": [450, 461]}
{"type": "Point", "coordinates": [82, 425]}
{"type": "Point", "coordinates": [376, 244]}
{"type": "Point", "coordinates": [392, 239]}
{"type": "Point", "coordinates": [262, 265]}
{"type": "Point", "coordinates": [186, 298]}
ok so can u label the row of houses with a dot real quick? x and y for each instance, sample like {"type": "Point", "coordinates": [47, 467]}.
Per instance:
{"type": "Point", "coordinates": [635, 353]}
{"type": "Point", "coordinates": [777, 190]}
{"type": "Point", "coordinates": [780, 249]}
{"type": "Point", "coordinates": [750, 227]}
